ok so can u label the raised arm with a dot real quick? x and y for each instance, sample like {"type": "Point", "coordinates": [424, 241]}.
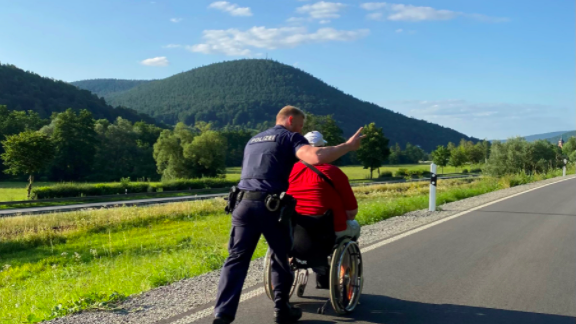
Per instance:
{"type": "Point", "coordinates": [319, 155]}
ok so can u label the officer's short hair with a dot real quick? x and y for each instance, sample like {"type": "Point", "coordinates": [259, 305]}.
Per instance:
{"type": "Point", "coordinates": [289, 111]}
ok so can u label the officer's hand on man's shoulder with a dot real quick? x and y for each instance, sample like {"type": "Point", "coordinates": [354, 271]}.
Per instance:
{"type": "Point", "coordinates": [356, 139]}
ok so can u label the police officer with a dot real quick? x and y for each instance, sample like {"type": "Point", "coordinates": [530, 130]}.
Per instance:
{"type": "Point", "coordinates": [268, 161]}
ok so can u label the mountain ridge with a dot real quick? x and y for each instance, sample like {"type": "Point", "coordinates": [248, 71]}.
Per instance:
{"type": "Point", "coordinates": [564, 136]}
{"type": "Point", "coordinates": [250, 92]}
{"type": "Point", "coordinates": [103, 87]}
{"type": "Point", "coordinates": [26, 90]}
{"type": "Point", "coordinates": [544, 136]}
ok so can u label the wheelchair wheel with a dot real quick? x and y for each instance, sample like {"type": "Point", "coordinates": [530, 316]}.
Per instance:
{"type": "Point", "coordinates": [299, 275]}
{"type": "Point", "coordinates": [346, 277]}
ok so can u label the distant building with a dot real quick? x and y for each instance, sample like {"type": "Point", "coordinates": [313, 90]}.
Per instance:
{"type": "Point", "coordinates": [561, 142]}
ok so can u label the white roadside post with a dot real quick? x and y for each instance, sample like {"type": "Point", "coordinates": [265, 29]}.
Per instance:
{"type": "Point", "coordinates": [564, 168]}
{"type": "Point", "coordinates": [433, 182]}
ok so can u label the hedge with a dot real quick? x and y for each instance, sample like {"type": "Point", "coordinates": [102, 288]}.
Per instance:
{"type": "Point", "coordinates": [65, 190]}
{"type": "Point", "coordinates": [385, 174]}
{"type": "Point", "coordinates": [400, 173]}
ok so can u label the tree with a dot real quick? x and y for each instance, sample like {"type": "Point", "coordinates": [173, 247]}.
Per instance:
{"type": "Point", "coordinates": [125, 150]}
{"type": "Point", "coordinates": [476, 153]}
{"type": "Point", "coordinates": [14, 122]}
{"type": "Point", "coordinates": [75, 142]}
{"type": "Point", "coordinates": [395, 154]}
{"type": "Point", "coordinates": [441, 157]}
{"type": "Point", "coordinates": [517, 155]}
{"type": "Point", "coordinates": [169, 153]}
{"type": "Point", "coordinates": [569, 149]}
{"type": "Point", "coordinates": [486, 150]}
{"type": "Point", "coordinates": [413, 154]}
{"type": "Point", "coordinates": [235, 142]}
{"type": "Point", "coordinates": [190, 153]}
{"type": "Point", "coordinates": [208, 154]}
{"type": "Point", "coordinates": [374, 149]}
{"type": "Point", "coordinates": [27, 153]}
{"type": "Point", "coordinates": [457, 157]}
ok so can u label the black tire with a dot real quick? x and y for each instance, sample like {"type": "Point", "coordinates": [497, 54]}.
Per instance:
{"type": "Point", "coordinates": [346, 277]}
{"type": "Point", "coordinates": [268, 287]}
{"type": "Point", "coordinates": [300, 291]}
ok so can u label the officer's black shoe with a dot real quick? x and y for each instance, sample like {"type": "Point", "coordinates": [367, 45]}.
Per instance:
{"type": "Point", "coordinates": [287, 315]}
{"type": "Point", "coordinates": [223, 319]}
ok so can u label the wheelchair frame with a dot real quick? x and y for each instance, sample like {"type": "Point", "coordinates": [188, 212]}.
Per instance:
{"type": "Point", "coordinates": [346, 282]}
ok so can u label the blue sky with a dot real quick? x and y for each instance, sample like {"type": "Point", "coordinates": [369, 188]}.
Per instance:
{"type": "Point", "coordinates": [490, 69]}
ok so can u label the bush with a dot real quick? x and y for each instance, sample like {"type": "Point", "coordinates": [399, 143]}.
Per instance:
{"type": "Point", "coordinates": [476, 170]}
{"type": "Point", "coordinates": [415, 173]}
{"type": "Point", "coordinates": [385, 174]}
{"type": "Point", "coordinates": [465, 171]}
{"type": "Point", "coordinates": [401, 173]}
{"type": "Point", "coordinates": [65, 190]}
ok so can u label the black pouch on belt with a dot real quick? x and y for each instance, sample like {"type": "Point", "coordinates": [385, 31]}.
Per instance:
{"type": "Point", "coordinates": [287, 209]}
{"type": "Point", "coordinates": [232, 196]}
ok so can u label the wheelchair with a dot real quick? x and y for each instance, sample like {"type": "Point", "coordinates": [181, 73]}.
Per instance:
{"type": "Point", "coordinates": [315, 245]}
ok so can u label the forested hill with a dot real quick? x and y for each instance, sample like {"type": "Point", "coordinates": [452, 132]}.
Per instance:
{"type": "Point", "coordinates": [250, 92]}
{"type": "Point", "coordinates": [103, 87]}
{"type": "Point", "coordinates": [22, 90]}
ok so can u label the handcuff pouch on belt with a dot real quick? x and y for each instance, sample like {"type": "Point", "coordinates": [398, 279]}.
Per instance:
{"type": "Point", "coordinates": [232, 198]}
{"type": "Point", "coordinates": [287, 206]}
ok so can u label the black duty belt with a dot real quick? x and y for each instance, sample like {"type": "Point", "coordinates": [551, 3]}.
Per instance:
{"type": "Point", "coordinates": [252, 195]}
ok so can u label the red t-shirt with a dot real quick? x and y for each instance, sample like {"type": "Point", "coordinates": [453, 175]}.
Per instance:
{"type": "Point", "coordinates": [315, 196]}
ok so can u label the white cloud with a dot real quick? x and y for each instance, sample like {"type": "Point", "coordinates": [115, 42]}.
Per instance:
{"type": "Point", "coordinates": [176, 20]}
{"type": "Point", "coordinates": [411, 13]}
{"type": "Point", "coordinates": [374, 15]}
{"type": "Point", "coordinates": [295, 19]}
{"type": "Point", "coordinates": [402, 12]}
{"type": "Point", "coordinates": [495, 120]}
{"type": "Point", "coordinates": [373, 5]}
{"type": "Point", "coordinates": [155, 61]}
{"type": "Point", "coordinates": [324, 22]}
{"type": "Point", "coordinates": [399, 30]}
{"type": "Point", "coordinates": [231, 8]}
{"type": "Point", "coordinates": [322, 10]}
{"type": "Point", "coordinates": [488, 19]}
{"type": "Point", "coordinates": [234, 42]}
{"type": "Point", "coordinates": [172, 46]}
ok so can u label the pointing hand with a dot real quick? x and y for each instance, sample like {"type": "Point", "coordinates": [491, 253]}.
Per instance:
{"type": "Point", "coordinates": [355, 141]}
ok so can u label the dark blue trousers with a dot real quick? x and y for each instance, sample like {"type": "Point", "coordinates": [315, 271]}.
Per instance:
{"type": "Point", "coordinates": [251, 219]}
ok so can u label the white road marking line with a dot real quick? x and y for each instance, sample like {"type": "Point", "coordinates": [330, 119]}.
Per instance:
{"type": "Point", "coordinates": [257, 292]}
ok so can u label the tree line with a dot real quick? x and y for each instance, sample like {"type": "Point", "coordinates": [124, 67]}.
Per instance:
{"type": "Point", "coordinates": [73, 146]}
{"type": "Point", "coordinates": [516, 155]}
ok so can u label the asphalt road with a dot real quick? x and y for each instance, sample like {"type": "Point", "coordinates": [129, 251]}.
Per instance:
{"type": "Point", "coordinates": [510, 262]}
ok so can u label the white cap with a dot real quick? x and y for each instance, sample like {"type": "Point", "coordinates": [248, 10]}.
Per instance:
{"type": "Point", "coordinates": [315, 138]}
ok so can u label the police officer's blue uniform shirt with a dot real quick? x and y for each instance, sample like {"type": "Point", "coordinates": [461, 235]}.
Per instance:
{"type": "Point", "coordinates": [269, 158]}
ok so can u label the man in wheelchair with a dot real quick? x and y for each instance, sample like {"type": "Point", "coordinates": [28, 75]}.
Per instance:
{"type": "Point", "coordinates": [326, 208]}
{"type": "Point", "coordinates": [325, 232]}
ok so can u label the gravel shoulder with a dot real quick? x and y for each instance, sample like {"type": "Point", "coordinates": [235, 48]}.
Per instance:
{"type": "Point", "coordinates": [186, 295]}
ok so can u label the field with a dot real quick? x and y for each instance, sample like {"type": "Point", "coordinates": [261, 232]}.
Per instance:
{"type": "Point", "coordinates": [54, 264]}
{"type": "Point", "coordinates": [11, 191]}
{"type": "Point", "coordinates": [358, 173]}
